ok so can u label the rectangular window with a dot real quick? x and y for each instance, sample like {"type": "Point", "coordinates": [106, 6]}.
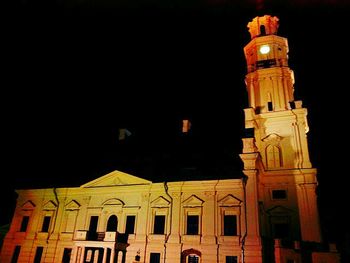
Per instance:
{"type": "Point", "coordinates": [66, 255]}
{"type": "Point", "coordinates": [230, 225]}
{"type": "Point", "coordinates": [192, 225]}
{"type": "Point", "coordinates": [46, 224]}
{"type": "Point", "coordinates": [279, 194]}
{"type": "Point", "coordinates": [154, 258]}
{"type": "Point", "coordinates": [231, 259]}
{"type": "Point", "coordinates": [93, 228]}
{"type": "Point", "coordinates": [130, 225]}
{"type": "Point", "coordinates": [281, 230]}
{"type": "Point", "coordinates": [159, 225]}
{"type": "Point", "coordinates": [38, 254]}
{"type": "Point", "coordinates": [269, 106]}
{"type": "Point", "coordinates": [24, 224]}
{"type": "Point", "coordinates": [16, 254]}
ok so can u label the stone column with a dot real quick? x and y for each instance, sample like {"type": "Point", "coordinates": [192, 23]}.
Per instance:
{"type": "Point", "coordinates": [209, 219]}
{"type": "Point", "coordinates": [251, 242]}
{"type": "Point", "coordinates": [104, 255]}
{"type": "Point", "coordinates": [82, 252]}
{"type": "Point", "coordinates": [175, 218]}
{"type": "Point", "coordinates": [142, 219]}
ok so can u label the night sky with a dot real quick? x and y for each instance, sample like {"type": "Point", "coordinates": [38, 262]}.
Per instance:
{"type": "Point", "coordinates": [75, 72]}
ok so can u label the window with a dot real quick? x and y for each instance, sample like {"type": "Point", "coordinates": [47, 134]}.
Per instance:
{"type": "Point", "coordinates": [281, 230]}
{"type": "Point", "coordinates": [230, 225]}
{"type": "Point", "coordinates": [112, 223]}
{"type": "Point", "coordinates": [24, 224]}
{"type": "Point", "coordinates": [16, 254]}
{"type": "Point", "coordinates": [270, 106]}
{"type": "Point", "coordinates": [38, 254]}
{"type": "Point", "coordinates": [262, 30]}
{"type": "Point", "coordinates": [159, 224]}
{"type": "Point", "coordinates": [46, 224]}
{"type": "Point", "coordinates": [93, 228]}
{"type": "Point", "coordinates": [274, 157]}
{"type": "Point", "coordinates": [66, 255]}
{"type": "Point", "coordinates": [154, 258]}
{"type": "Point", "coordinates": [279, 194]}
{"type": "Point", "coordinates": [231, 259]}
{"type": "Point", "coordinates": [192, 225]}
{"type": "Point", "coordinates": [193, 259]}
{"type": "Point", "coordinates": [130, 225]}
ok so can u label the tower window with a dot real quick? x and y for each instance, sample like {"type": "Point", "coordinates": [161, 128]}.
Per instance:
{"type": "Point", "coordinates": [262, 30]}
{"type": "Point", "coordinates": [274, 157]}
{"type": "Point", "coordinates": [279, 194]}
{"type": "Point", "coordinates": [281, 230]}
{"type": "Point", "coordinates": [270, 106]}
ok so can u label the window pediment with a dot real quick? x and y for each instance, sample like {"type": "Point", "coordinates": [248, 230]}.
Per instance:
{"type": "Point", "coordinates": [230, 200]}
{"type": "Point", "coordinates": [72, 205]}
{"type": "Point", "coordinates": [280, 210]}
{"type": "Point", "coordinates": [28, 205]}
{"type": "Point", "coordinates": [272, 138]}
{"type": "Point", "coordinates": [193, 201]}
{"type": "Point", "coordinates": [160, 202]}
{"type": "Point", "coordinates": [50, 205]}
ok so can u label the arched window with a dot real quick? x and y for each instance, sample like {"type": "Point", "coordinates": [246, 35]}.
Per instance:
{"type": "Point", "coordinates": [112, 224]}
{"type": "Point", "coordinates": [262, 30]}
{"type": "Point", "coordinates": [273, 155]}
{"type": "Point", "coordinates": [190, 256]}
{"type": "Point", "coordinates": [192, 259]}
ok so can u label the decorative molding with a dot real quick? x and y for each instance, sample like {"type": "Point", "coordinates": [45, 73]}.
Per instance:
{"type": "Point", "coordinates": [230, 200]}
{"type": "Point", "coordinates": [50, 205]}
{"type": "Point", "coordinates": [160, 202]}
{"type": "Point", "coordinates": [72, 205]}
{"type": "Point", "coordinates": [193, 201]}
{"type": "Point", "coordinates": [28, 205]}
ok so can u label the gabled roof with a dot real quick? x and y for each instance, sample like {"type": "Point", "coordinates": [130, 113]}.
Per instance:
{"type": "Point", "coordinates": [115, 178]}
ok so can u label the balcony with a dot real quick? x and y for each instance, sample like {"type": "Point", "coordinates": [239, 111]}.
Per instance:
{"type": "Point", "coordinates": [84, 235]}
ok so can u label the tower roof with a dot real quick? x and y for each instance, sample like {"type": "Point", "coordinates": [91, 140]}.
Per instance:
{"type": "Point", "coordinates": [263, 25]}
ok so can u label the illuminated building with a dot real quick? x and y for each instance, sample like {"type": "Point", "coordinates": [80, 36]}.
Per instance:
{"type": "Point", "coordinates": [268, 215]}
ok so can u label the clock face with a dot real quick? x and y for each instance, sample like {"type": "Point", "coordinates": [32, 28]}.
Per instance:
{"type": "Point", "coordinates": [264, 49]}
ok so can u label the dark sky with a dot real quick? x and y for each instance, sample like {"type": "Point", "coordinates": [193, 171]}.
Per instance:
{"type": "Point", "coordinates": [74, 72]}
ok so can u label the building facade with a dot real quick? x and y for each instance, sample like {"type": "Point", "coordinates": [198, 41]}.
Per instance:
{"type": "Point", "coordinates": [268, 215]}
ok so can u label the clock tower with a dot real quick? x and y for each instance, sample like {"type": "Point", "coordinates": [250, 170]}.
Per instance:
{"type": "Point", "coordinates": [281, 182]}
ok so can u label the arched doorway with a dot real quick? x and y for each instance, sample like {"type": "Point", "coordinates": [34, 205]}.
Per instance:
{"type": "Point", "coordinates": [190, 256]}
